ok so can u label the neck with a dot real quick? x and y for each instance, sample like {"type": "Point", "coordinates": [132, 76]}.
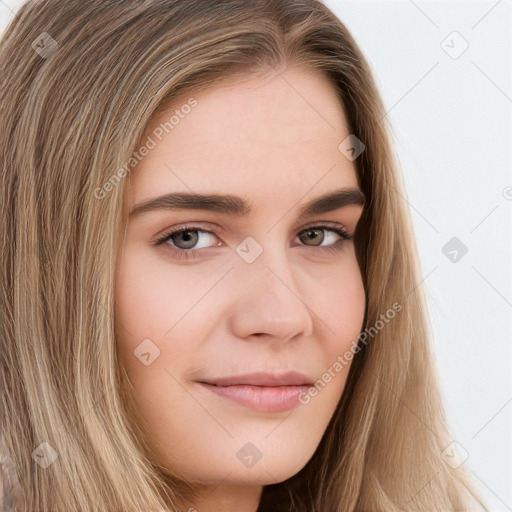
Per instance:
{"type": "Point", "coordinates": [223, 498]}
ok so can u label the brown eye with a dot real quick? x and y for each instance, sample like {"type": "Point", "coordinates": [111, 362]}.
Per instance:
{"type": "Point", "coordinates": [323, 237]}
{"type": "Point", "coordinates": [314, 235]}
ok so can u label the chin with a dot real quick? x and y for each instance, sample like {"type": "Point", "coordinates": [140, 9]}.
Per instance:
{"type": "Point", "coordinates": [275, 469]}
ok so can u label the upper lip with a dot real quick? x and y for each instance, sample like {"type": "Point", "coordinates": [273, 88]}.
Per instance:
{"type": "Point", "coordinates": [290, 378]}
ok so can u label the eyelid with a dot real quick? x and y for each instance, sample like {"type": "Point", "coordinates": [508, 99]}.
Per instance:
{"type": "Point", "coordinates": [216, 230]}
{"type": "Point", "coordinates": [192, 226]}
{"type": "Point", "coordinates": [324, 224]}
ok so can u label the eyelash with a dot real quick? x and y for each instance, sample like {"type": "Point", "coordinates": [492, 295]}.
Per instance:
{"type": "Point", "coordinates": [192, 253]}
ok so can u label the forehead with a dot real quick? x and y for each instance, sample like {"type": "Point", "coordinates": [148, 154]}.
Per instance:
{"type": "Point", "coordinates": [256, 135]}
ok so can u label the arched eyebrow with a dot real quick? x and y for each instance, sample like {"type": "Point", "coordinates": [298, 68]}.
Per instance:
{"type": "Point", "coordinates": [240, 207]}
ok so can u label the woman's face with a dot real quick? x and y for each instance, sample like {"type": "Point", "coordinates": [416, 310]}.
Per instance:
{"type": "Point", "coordinates": [224, 325]}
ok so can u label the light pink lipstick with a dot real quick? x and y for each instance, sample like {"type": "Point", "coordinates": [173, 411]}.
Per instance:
{"type": "Point", "coordinates": [264, 392]}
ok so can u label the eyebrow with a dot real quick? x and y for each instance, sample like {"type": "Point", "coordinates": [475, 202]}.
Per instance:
{"type": "Point", "coordinates": [238, 206]}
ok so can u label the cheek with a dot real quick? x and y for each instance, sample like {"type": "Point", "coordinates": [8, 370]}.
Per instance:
{"type": "Point", "coordinates": [337, 299]}
{"type": "Point", "coordinates": [152, 296]}
{"type": "Point", "coordinates": [347, 302]}
{"type": "Point", "coordinates": [157, 307]}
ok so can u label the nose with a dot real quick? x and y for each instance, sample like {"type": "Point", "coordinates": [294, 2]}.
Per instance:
{"type": "Point", "coordinates": [269, 303]}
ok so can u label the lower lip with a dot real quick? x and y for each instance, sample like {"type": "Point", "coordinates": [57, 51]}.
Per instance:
{"type": "Point", "coordinates": [261, 398]}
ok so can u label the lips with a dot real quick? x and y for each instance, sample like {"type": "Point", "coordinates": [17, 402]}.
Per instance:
{"type": "Point", "coordinates": [291, 378]}
{"type": "Point", "coordinates": [263, 392]}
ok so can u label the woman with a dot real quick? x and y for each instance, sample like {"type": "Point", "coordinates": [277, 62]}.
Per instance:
{"type": "Point", "coordinates": [211, 295]}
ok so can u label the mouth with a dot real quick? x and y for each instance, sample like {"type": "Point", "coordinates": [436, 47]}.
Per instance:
{"type": "Point", "coordinates": [264, 392]}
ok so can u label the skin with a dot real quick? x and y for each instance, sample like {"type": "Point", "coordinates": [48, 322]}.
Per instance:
{"type": "Point", "coordinates": [274, 141]}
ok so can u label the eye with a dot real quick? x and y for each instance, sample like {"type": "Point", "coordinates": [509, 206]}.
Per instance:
{"type": "Point", "coordinates": [188, 238]}
{"type": "Point", "coordinates": [316, 234]}
{"type": "Point", "coordinates": [186, 241]}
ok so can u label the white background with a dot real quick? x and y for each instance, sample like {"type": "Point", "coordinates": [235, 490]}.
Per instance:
{"type": "Point", "coordinates": [451, 119]}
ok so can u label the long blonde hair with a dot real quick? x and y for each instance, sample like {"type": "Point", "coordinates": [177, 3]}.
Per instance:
{"type": "Point", "coordinates": [80, 82]}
